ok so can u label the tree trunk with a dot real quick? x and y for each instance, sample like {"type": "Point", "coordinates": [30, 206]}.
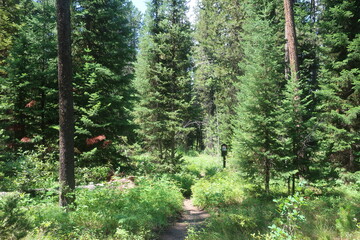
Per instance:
{"type": "Point", "coordinates": [66, 108]}
{"type": "Point", "coordinates": [267, 176]}
{"type": "Point", "coordinates": [291, 39]}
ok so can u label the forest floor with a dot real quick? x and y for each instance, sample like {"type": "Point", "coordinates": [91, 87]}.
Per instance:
{"type": "Point", "coordinates": [191, 217]}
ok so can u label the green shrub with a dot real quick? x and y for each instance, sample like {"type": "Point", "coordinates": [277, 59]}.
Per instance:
{"type": "Point", "coordinates": [32, 169]}
{"type": "Point", "coordinates": [109, 212]}
{"type": "Point", "coordinates": [184, 180]}
{"type": "Point", "coordinates": [290, 215]}
{"type": "Point", "coordinates": [346, 221]}
{"type": "Point", "coordinates": [85, 175]}
{"type": "Point", "coordinates": [13, 221]}
{"type": "Point", "coordinates": [238, 221]}
{"type": "Point", "coordinates": [222, 188]}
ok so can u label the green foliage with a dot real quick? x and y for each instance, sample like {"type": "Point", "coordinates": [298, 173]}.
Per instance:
{"type": "Point", "coordinates": [13, 221]}
{"type": "Point", "coordinates": [223, 188]}
{"type": "Point", "coordinates": [234, 213]}
{"type": "Point", "coordinates": [30, 170]}
{"type": "Point", "coordinates": [217, 52]}
{"type": "Point", "coordinates": [185, 180]}
{"type": "Point", "coordinates": [346, 222]}
{"type": "Point", "coordinates": [163, 81]}
{"type": "Point", "coordinates": [339, 81]}
{"type": "Point", "coordinates": [85, 175]}
{"type": "Point", "coordinates": [108, 212]}
{"type": "Point", "coordinates": [203, 164]}
{"type": "Point", "coordinates": [290, 216]}
{"type": "Point", "coordinates": [254, 140]}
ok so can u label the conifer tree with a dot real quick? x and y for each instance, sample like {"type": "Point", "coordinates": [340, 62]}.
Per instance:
{"type": "Point", "coordinates": [255, 135]}
{"type": "Point", "coordinates": [163, 79]}
{"type": "Point", "coordinates": [105, 41]}
{"type": "Point", "coordinates": [339, 83]}
{"type": "Point", "coordinates": [66, 105]}
{"type": "Point", "coordinates": [30, 84]}
{"type": "Point", "coordinates": [9, 25]}
{"type": "Point", "coordinates": [216, 54]}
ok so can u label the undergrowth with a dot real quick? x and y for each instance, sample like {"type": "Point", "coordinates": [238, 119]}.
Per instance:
{"type": "Point", "coordinates": [102, 213]}
{"type": "Point", "coordinates": [239, 211]}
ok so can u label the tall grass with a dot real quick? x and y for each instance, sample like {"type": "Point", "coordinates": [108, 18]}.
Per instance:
{"type": "Point", "coordinates": [240, 210]}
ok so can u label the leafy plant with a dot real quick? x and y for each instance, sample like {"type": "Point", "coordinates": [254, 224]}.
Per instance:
{"type": "Point", "coordinates": [222, 188]}
{"type": "Point", "coordinates": [13, 222]}
{"type": "Point", "coordinates": [290, 216]}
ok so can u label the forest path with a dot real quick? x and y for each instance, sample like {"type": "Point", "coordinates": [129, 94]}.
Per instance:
{"type": "Point", "coordinates": [191, 216]}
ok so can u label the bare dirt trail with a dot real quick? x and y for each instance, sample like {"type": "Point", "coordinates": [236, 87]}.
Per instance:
{"type": "Point", "coordinates": [191, 216]}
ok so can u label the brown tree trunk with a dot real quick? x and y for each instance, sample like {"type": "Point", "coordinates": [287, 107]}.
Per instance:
{"type": "Point", "coordinates": [291, 39]}
{"type": "Point", "coordinates": [267, 176]}
{"type": "Point", "coordinates": [293, 66]}
{"type": "Point", "coordinates": [66, 108]}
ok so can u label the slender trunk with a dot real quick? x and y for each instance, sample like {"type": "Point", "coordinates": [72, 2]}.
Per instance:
{"type": "Point", "coordinates": [293, 184]}
{"type": "Point", "coordinates": [288, 185]}
{"type": "Point", "coordinates": [351, 165]}
{"type": "Point", "coordinates": [267, 175]}
{"type": "Point", "coordinates": [66, 108]}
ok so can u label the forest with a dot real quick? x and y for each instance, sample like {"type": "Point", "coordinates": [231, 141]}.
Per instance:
{"type": "Point", "coordinates": [110, 118]}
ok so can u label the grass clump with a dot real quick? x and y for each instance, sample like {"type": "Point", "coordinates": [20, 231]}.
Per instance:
{"type": "Point", "coordinates": [224, 188]}
{"type": "Point", "coordinates": [235, 214]}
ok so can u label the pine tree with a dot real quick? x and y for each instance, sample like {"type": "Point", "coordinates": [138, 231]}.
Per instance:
{"type": "Point", "coordinates": [29, 89]}
{"type": "Point", "coordinates": [104, 51]}
{"type": "Point", "coordinates": [10, 22]}
{"type": "Point", "coordinates": [66, 105]}
{"type": "Point", "coordinates": [339, 82]}
{"type": "Point", "coordinates": [217, 54]}
{"type": "Point", "coordinates": [163, 79]}
{"type": "Point", "coordinates": [260, 92]}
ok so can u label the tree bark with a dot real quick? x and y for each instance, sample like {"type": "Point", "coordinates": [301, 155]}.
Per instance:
{"type": "Point", "coordinates": [267, 176]}
{"type": "Point", "coordinates": [66, 108]}
{"type": "Point", "coordinates": [290, 36]}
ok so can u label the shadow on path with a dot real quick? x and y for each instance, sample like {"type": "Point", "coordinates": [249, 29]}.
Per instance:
{"type": "Point", "coordinates": [191, 216]}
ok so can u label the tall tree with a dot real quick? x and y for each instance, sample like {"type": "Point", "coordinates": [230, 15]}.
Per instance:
{"type": "Point", "coordinates": [66, 108]}
{"type": "Point", "coordinates": [163, 79]}
{"type": "Point", "coordinates": [339, 83]}
{"type": "Point", "coordinates": [292, 102]}
{"type": "Point", "coordinates": [291, 41]}
{"type": "Point", "coordinates": [105, 42]}
{"type": "Point", "coordinates": [10, 12]}
{"type": "Point", "coordinates": [216, 54]}
{"type": "Point", "coordinates": [261, 85]}
{"type": "Point", "coordinates": [29, 88]}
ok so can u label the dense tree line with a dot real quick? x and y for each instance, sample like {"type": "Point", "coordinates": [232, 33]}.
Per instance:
{"type": "Point", "coordinates": [104, 39]}
{"type": "Point", "coordinates": [230, 78]}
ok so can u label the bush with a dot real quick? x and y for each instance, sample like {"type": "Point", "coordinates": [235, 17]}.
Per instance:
{"type": "Point", "coordinates": [184, 180]}
{"type": "Point", "coordinates": [237, 221]}
{"type": "Point", "coordinates": [32, 169]}
{"type": "Point", "coordinates": [13, 222]}
{"type": "Point", "coordinates": [85, 175]}
{"type": "Point", "coordinates": [220, 189]}
{"type": "Point", "coordinates": [109, 213]}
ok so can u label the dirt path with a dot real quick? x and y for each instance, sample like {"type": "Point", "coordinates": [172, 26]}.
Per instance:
{"type": "Point", "coordinates": [191, 216]}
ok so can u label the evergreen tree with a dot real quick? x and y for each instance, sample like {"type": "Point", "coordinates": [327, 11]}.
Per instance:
{"type": "Point", "coordinates": [66, 105]}
{"type": "Point", "coordinates": [339, 82]}
{"type": "Point", "coordinates": [10, 12]}
{"type": "Point", "coordinates": [255, 135]}
{"type": "Point", "coordinates": [104, 51]}
{"type": "Point", "coordinates": [163, 79]}
{"type": "Point", "coordinates": [217, 54]}
{"type": "Point", "coordinates": [29, 89]}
